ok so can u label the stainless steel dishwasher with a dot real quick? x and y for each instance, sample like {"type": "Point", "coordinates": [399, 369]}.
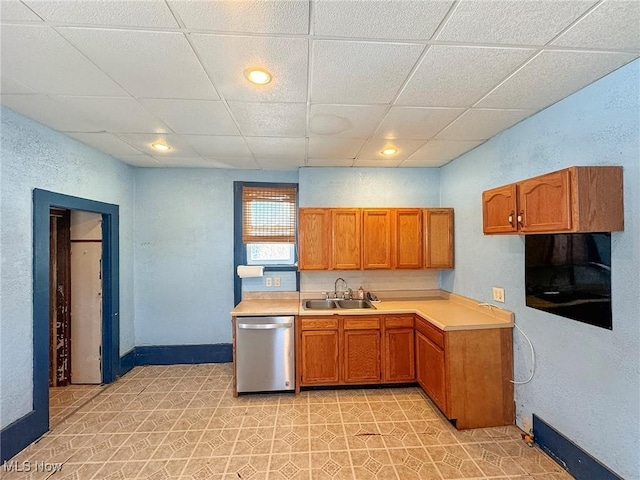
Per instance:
{"type": "Point", "coordinates": [265, 354]}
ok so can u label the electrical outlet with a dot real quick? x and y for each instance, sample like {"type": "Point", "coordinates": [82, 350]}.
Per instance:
{"type": "Point", "coordinates": [267, 281]}
{"type": "Point", "coordinates": [498, 294]}
{"type": "Point", "coordinates": [276, 281]}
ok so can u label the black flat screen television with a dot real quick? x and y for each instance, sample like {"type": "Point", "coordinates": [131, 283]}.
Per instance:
{"type": "Point", "coordinates": [569, 274]}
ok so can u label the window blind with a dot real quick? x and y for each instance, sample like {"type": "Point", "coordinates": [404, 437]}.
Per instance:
{"type": "Point", "coordinates": [268, 214]}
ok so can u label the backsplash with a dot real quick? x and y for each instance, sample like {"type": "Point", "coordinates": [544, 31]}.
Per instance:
{"type": "Point", "coordinates": [259, 284]}
{"type": "Point", "coordinates": [371, 280]}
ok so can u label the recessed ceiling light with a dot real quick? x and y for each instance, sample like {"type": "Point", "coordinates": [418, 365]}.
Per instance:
{"type": "Point", "coordinates": [389, 151]}
{"type": "Point", "coordinates": [161, 146]}
{"type": "Point", "coordinates": [257, 76]}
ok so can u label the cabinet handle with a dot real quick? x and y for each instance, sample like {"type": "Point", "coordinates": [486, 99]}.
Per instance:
{"type": "Point", "coordinates": [511, 219]}
{"type": "Point", "coordinates": [520, 215]}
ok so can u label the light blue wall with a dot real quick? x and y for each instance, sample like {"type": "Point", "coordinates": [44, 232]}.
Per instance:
{"type": "Point", "coordinates": [184, 253]}
{"type": "Point", "coordinates": [34, 156]}
{"type": "Point", "coordinates": [369, 187]}
{"type": "Point", "coordinates": [587, 378]}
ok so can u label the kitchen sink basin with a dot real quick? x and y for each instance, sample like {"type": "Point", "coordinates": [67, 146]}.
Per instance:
{"type": "Point", "coordinates": [332, 303]}
{"type": "Point", "coordinates": [320, 305]}
{"type": "Point", "coordinates": [347, 304]}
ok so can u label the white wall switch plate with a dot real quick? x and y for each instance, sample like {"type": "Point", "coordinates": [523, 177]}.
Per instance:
{"type": "Point", "coordinates": [267, 281]}
{"type": "Point", "coordinates": [276, 281]}
{"type": "Point", "coordinates": [498, 294]}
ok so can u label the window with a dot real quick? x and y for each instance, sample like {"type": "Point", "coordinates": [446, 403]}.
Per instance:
{"type": "Point", "coordinates": [269, 224]}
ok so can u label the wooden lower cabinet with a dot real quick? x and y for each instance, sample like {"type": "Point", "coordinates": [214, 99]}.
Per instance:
{"type": "Point", "coordinates": [399, 354]}
{"type": "Point", "coordinates": [467, 373]}
{"type": "Point", "coordinates": [361, 357]}
{"type": "Point", "coordinates": [319, 351]}
{"type": "Point", "coordinates": [431, 370]}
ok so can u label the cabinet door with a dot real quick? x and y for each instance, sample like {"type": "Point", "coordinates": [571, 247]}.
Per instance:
{"type": "Point", "coordinates": [408, 244]}
{"type": "Point", "coordinates": [399, 355]}
{"type": "Point", "coordinates": [545, 203]}
{"type": "Point", "coordinates": [499, 210]}
{"type": "Point", "coordinates": [430, 370]}
{"type": "Point", "coordinates": [345, 238]}
{"type": "Point", "coordinates": [313, 238]}
{"type": "Point", "coordinates": [320, 361]}
{"type": "Point", "coordinates": [438, 238]}
{"type": "Point", "coordinates": [361, 356]}
{"type": "Point", "coordinates": [377, 238]}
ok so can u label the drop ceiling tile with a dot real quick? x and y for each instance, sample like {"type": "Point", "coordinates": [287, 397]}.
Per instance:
{"type": "Point", "coordinates": [140, 160]}
{"type": "Point", "coordinates": [481, 124]}
{"type": "Point", "coordinates": [105, 142]}
{"type": "Point", "coordinates": [119, 115]}
{"type": "Point", "coordinates": [198, 117]}
{"type": "Point", "coordinates": [179, 147]}
{"type": "Point", "coordinates": [379, 19]}
{"type": "Point", "coordinates": [375, 163]}
{"type": "Point", "coordinates": [184, 162]}
{"type": "Point", "coordinates": [277, 148]}
{"type": "Point", "coordinates": [11, 86]}
{"type": "Point", "coordinates": [149, 13]}
{"type": "Point", "coordinates": [247, 163]}
{"type": "Point", "coordinates": [146, 64]}
{"type": "Point", "coordinates": [39, 58]}
{"type": "Point", "coordinates": [353, 121]}
{"type": "Point", "coordinates": [330, 147]}
{"type": "Point", "coordinates": [216, 147]}
{"type": "Point", "coordinates": [359, 72]}
{"type": "Point", "coordinates": [49, 112]}
{"type": "Point", "coordinates": [286, 17]}
{"type": "Point", "coordinates": [15, 11]}
{"type": "Point", "coordinates": [453, 76]}
{"type": "Point", "coordinates": [551, 76]}
{"type": "Point", "coordinates": [442, 150]}
{"type": "Point", "coordinates": [614, 24]}
{"type": "Point", "coordinates": [227, 58]}
{"type": "Point", "coordinates": [372, 150]}
{"type": "Point", "coordinates": [416, 122]}
{"type": "Point", "coordinates": [280, 163]}
{"type": "Point", "coordinates": [511, 22]}
{"type": "Point", "coordinates": [331, 162]}
{"type": "Point", "coordinates": [423, 164]}
{"type": "Point", "coordinates": [270, 119]}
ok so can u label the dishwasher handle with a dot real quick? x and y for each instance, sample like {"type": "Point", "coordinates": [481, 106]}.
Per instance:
{"type": "Point", "coordinates": [263, 326]}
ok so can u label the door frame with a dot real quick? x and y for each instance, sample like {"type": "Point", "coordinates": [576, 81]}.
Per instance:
{"type": "Point", "coordinates": [43, 201]}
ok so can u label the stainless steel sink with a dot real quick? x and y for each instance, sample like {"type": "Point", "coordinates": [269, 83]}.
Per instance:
{"type": "Point", "coordinates": [333, 303]}
{"type": "Point", "coordinates": [351, 304]}
{"type": "Point", "coordinates": [320, 305]}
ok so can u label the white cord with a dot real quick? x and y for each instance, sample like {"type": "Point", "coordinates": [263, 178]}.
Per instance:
{"type": "Point", "coordinates": [533, 353]}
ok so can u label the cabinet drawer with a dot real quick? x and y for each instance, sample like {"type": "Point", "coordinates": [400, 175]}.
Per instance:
{"type": "Point", "coordinates": [353, 323]}
{"type": "Point", "coordinates": [316, 323]}
{"type": "Point", "coordinates": [432, 333]}
{"type": "Point", "coordinates": [398, 321]}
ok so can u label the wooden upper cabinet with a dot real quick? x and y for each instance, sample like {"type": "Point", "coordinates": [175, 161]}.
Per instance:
{"type": "Point", "coordinates": [408, 238]}
{"type": "Point", "coordinates": [345, 238]}
{"type": "Point", "coordinates": [438, 252]}
{"type": "Point", "coordinates": [314, 238]}
{"type": "Point", "coordinates": [377, 238]}
{"type": "Point", "coordinates": [499, 210]}
{"type": "Point", "coordinates": [576, 199]}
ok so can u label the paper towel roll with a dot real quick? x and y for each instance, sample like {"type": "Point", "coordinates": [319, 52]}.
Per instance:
{"type": "Point", "coordinates": [246, 271]}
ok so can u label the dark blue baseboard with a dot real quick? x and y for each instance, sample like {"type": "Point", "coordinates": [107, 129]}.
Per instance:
{"type": "Point", "coordinates": [569, 455]}
{"type": "Point", "coordinates": [20, 434]}
{"type": "Point", "coordinates": [177, 354]}
{"type": "Point", "coordinates": [127, 362]}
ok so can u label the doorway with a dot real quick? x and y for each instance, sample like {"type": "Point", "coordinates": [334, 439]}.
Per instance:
{"type": "Point", "coordinates": [75, 310]}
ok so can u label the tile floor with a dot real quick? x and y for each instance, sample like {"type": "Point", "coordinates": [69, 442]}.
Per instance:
{"type": "Point", "coordinates": [63, 401]}
{"type": "Point", "coordinates": [182, 422]}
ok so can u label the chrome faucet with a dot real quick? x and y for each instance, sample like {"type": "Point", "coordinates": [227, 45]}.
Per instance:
{"type": "Point", "coordinates": [335, 287]}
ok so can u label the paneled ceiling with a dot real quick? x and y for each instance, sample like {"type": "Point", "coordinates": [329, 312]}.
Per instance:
{"type": "Point", "coordinates": [350, 78]}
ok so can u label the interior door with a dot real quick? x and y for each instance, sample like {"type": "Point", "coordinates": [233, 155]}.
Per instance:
{"type": "Point", "coordinates": [86, 299]}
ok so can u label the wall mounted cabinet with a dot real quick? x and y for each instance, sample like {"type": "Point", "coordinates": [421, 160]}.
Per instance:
{"type": "Point", "coordinates": [375, 238]}
{"type": "Point", "coordinates": [576, 199]}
